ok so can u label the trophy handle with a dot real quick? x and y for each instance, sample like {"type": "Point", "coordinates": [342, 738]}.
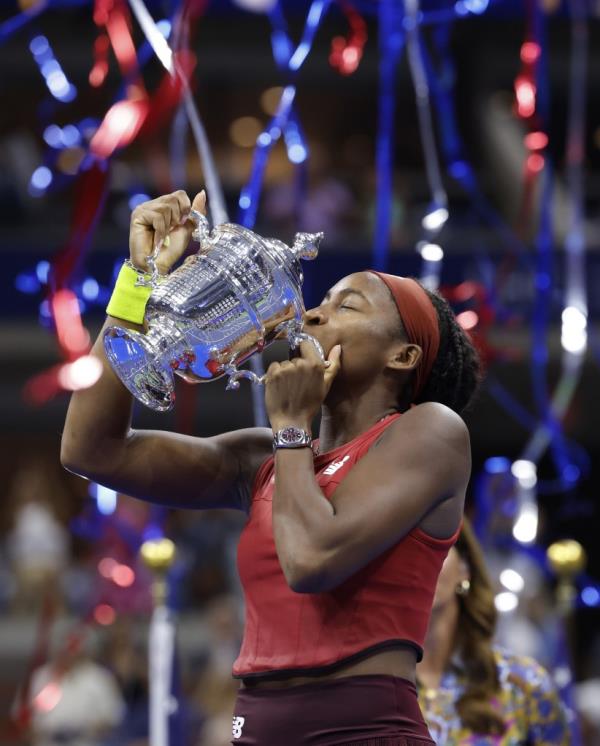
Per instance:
{"type": "Point", "coordinates": [306, 245]}
{"type": "Point", "coordinates": [235, 375]}
{"type": "Point", "coordinates": [294, 337]}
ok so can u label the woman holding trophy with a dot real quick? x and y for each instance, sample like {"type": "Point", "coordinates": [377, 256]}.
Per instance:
{"type": "Point", "coordinates": [346, 534]}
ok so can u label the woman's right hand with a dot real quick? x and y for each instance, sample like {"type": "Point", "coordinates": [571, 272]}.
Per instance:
{"type": "Point", "coordinates": [165, 221]}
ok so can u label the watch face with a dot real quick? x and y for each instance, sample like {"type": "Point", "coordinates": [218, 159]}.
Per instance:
{"type": "Point", "coordinates": [291, 435]}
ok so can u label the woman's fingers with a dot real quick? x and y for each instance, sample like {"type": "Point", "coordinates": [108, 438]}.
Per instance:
{"type": "Point", "coordinates": [335, 360]}
{"type": "Point", "coordinates": [308, 351]}
{"type": "Point", "coordinates": [295, 389]}
{"type": "Point", "coordinates": [179, 237]}
{"type": "Point", "coordinates": [146, 225]}
{"type": "Point", "coordinates": [172, 248]}
{"type": "Point", "coordinates": [163, 222]}
{"type": "Point", "coordinates": [199, 202]}
{"type": "Point", "coordinates": [330, 367]}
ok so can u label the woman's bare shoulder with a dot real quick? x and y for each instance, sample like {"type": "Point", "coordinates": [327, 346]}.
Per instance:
{"type": "Point", "coordinates": [434, 419]}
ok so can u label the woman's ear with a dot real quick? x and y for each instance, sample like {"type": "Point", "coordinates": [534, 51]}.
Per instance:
{"type": "Point", "coordinates": [406, 357]}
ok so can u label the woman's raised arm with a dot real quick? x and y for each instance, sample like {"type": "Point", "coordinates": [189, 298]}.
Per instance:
{"type": "Point", "coordinates": [98, 441]}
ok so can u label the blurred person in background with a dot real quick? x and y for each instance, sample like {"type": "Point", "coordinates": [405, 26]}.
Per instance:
{"type": "Point", "coordinates": [126, 653]}
{"type": "Point", "coordinates": [533, 628]}
{"type": "Point", "coordinates": [587, 699]}
{"type": "Point", "coordinates": [206, 545]}
{"type": "Point", "coordinates": [470, 690]}
{"type": "Point", "coordinates": [216, 690]}
{"type": "Point", "coordinates": [73, 699]}
{"type": "Point", "coordinates": [128, 660]}
{"type": "Point", "coordinates": [329, 206]}
{"type": "Point", "coordinates": [38, 543]}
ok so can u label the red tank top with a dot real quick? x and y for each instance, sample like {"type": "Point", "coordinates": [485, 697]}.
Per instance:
{"type": "Point", "coordinates": [385, 604]}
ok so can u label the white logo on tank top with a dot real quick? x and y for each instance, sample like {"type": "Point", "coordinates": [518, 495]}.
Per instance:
{"type": "Point", "coordinates": [238, 724]}
{"type": "Point", "coordinates": [332, 468]}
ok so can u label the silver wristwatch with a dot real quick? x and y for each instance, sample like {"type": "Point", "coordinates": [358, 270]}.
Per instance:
{"type": "Point", "coordinates": [292, 437]}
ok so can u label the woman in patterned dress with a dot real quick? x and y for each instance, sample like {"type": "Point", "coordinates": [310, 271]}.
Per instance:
{"type": "Point", "coordinates": [471, 691]}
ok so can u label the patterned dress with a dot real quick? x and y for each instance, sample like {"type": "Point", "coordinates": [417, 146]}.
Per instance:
{"type": "Point", "coordinates": [532, 709]}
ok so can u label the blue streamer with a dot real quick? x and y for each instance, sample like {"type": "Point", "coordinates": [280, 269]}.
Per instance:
{"type": "Point", "coordinates": [550, 429]}
{"type": "Point", "coordinates": [20, 20]}
{"type": "Point", "coordinates": [250, 194]}
{"type": "Point", "coordinates": [285, 121]}
{"type": "Point", "coordinates": [391, 44]}
{"type": "Point", "coordinates": [289, 60]}
{"type": "Point", "coordinates": [458, 167]}
{"type": "Point", "coordinates": [178, 147]}
{"type": "Point", "coordinates": [543, 246]}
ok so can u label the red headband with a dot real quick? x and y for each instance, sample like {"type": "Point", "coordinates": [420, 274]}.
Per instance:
{"type": "Point", "coordinates": [420, 321]}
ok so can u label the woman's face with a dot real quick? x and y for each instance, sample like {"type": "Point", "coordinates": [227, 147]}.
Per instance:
{"type": "Point", "coordinates": [359, 314]}
{"type": "Point", "coordinates": [453, 572]}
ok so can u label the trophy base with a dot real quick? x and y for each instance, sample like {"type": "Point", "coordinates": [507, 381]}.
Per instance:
{"type": "Point", "coordinates": [135, 362]}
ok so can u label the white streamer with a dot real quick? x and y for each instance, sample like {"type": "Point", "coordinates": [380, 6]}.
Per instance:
{"type": "Point", "coordinates": [434, 222]}
{"type": "Point", "coordinates": [216, 203]}
{"type": "Point", "coordinates": [419, 78]}
{"type": "Point", "coordinates": [161, 647]}
{"type": "Point", "coordinates": [163, 51]}
{"type": "Point", "coordinates": [575, 304]}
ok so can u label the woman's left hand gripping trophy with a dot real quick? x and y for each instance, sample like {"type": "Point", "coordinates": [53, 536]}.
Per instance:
{"type": "Point", "coordinates": [160, 233]}
{"type": "Point", "coordinates": [163, 228]}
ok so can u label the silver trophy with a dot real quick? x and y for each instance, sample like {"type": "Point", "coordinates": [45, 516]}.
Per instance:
{"type": "Point", "coordinates": [231, 299]}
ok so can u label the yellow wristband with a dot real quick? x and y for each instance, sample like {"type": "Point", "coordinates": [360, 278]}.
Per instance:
{"type": "Point", "coordinates": [128, 300]}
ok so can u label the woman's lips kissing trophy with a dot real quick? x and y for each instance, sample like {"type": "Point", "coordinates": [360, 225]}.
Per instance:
{"type": "Point", "coordinates": [232, 298]}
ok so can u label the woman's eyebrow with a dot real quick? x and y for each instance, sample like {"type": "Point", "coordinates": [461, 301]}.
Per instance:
{"type": "Point", "coordinates": [347, 291]}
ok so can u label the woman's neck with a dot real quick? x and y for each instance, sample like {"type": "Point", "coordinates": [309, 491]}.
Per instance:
{"type": "Point", "coordinates": [343, 421]}
{"type": "Point", "coordinates": [439, 645]}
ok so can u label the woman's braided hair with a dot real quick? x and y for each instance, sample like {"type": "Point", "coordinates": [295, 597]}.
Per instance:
{"type": "Point", "coordinates": [456, 372]}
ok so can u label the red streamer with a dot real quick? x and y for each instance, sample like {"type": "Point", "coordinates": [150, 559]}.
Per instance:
{"type": "Point", "coordinates": [138, 115]}
{"type": "Point", "coordinates": [120, 126]}
{"type": "Point", "coordinates": [73, 337]}
{"type": "Point", "coordinates": [477, 319]}
{"type": "Point", "coordinates": [536, 140]}
{"type": "Point", "coordinates": [114, 16]}
{"type": "Point", "coordinates": [346, 52]}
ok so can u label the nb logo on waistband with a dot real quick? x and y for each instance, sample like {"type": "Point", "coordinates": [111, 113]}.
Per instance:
{"type": "Point", "coordinates": [238, 724]}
